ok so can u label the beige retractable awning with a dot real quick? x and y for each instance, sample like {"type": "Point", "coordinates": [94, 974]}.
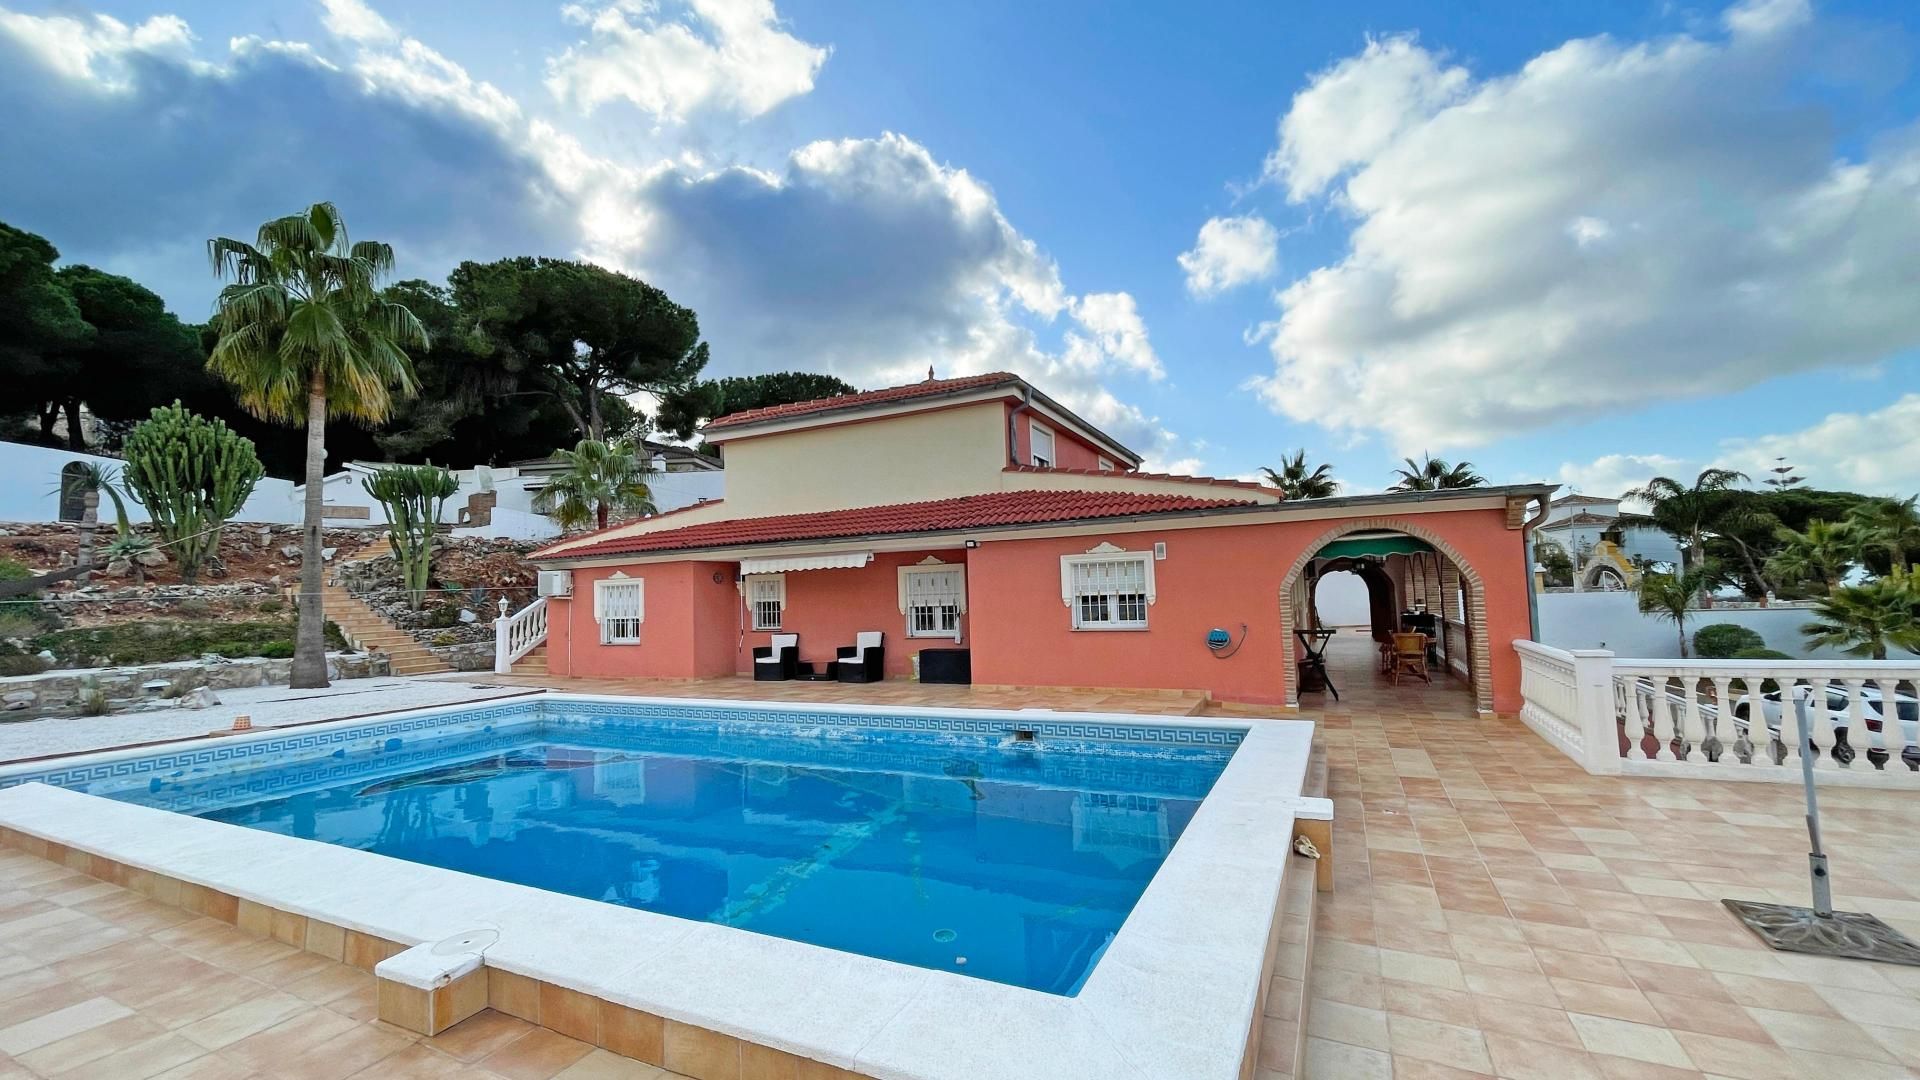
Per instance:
{"type": "Point", "coordinates": [781, 564]}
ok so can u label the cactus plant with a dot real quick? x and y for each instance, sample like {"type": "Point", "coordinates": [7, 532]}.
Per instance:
{"type": "Point", "coordinates": [413, 497]}
{"type": "Point", "coordinates": [192, 475]}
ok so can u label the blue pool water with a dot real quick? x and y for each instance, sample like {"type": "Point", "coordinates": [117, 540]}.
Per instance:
{"type": "Point", "coordinates": [958, 852]}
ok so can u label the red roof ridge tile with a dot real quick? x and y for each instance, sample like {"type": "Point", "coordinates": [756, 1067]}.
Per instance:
{"type": "Point", "coordinates": [986, 510]}
{"type": "Point", "coordinates": [884, 395]}
{"type": "Point", "coordinates": [541, 552]}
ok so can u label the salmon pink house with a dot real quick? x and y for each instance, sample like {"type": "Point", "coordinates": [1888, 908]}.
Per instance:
{"type": "Point", "coordinates": [976, 529]}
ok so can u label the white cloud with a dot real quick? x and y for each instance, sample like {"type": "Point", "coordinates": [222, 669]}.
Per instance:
{"type": "Point", "coordinates": [1876, 452]}
{"type": "Point", "coordinates": [1231, 251]}
{"type": "Point", "coordinates": [725, 54]}
{"type": "Point", "coordinates": [353, 20]}
{"type": "Point", "coordinates": [97, 49]}
{"type": "Point", "coordinates": [1609, 476]}
{"type": "Point", "coordinates": [1613, 224]}
{"type": "Point", "coordinates": [868, 258]}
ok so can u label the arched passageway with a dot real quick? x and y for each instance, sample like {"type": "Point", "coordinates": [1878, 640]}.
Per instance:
{"type": "Point", "coordinates": [1414, 580]}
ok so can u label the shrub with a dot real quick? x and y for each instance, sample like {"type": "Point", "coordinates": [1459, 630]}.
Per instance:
{"type": "Point", "coordinates": [14, 570]}
{"type": "Point", "coordinates": [93, 700]}
{"type": "Point", "coordinates": [193, 607]}
{"type": "Point", "coordinates": [158, 641]}
{"type": "Point", "coordinates": [443, 617]}
{"type": "Point", "coordinates": [271, 607]}
{"type": "Point", "coordinates": [192, 475]}
{"type": "Point", "coordinates": [337, 638]}
{"type": "Point", "coordinates": [22, 664]}
{"type": "Point", "coordinates": [1760, 652]}
{"type": "Point", "coordinates": [446, 637]}
{"type": "Point", "coordinates": [1720, 641]}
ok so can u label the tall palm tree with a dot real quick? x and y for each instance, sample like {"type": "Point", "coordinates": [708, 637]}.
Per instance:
{"type": "Point", "coordinates": [1889, 525]}
{"type": "Point", "coordinates": [305, 335]}
{"type": "Point", "coordinates": [1867, 620]}
{"type": "Point", "coordinates": [1688, 513]}
{"type": "Point", "coordinates": [599, 478]}
{"type": "Point", "coordinates": [1296, 481]}
{"type": "Point", "coordinates": [1435, 474]}
{"type": "Point", "coordinates": [1825, 553]}
{"type": "Point", "coordinates": [1671, 596]}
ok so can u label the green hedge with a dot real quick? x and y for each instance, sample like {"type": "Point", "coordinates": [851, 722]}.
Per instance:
{"type": "Point", "coordinates": [1719, 641]}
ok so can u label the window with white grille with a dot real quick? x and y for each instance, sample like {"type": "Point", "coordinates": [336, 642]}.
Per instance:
{"type": "Point", "coordinates": [619, 606]}
{"type": "Point", "coordinates": [1039, 445]}
{"type": "Point", "coordinates": [767, 597]}
{"type": "Point", "coordinates": [1108, 592]}
{"type": "Point", "coordinates": [933, 602]}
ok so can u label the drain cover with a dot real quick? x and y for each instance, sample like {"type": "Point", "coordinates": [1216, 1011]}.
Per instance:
{"type": "Point", "coordinates": [944, 936]}
{"type": "Point", "coordinates": [470, 942]}
{"type": "Point", "coordinates": [1851, 935]}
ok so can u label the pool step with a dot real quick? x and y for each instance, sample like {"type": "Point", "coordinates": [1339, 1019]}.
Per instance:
{"type": "Point", "coordinates": [1281, 1040]}
{"type": "Point", "coordinates": [365, 628]}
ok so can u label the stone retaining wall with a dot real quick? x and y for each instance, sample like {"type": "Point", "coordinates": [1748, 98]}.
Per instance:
{"type": "Point", "coordinates": [64, 692]}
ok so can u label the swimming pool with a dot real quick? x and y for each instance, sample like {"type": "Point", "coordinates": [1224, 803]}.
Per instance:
{"type": "Point", "coordinates": [1004, 859]}
{"type": "Point", "coordinates": [1175, 991]}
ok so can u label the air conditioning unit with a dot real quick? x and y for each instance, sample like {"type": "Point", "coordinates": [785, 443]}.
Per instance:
{"type": "Point", "coordinates": [556, 583]}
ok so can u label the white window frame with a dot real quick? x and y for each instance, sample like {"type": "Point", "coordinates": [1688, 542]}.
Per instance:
{"type": "Point", "coordinates": [1049, 460]}
{"type": "Point", "coordinates": [620, 629]}
{"type": "Point", "coordinates": [1106, 553]}
{"type": "Point", "coordinates": [929, 567]}
{"type": "Point", "coordinates": [1106, 465]}
{"type": "Point", "coordinates": [760, 589]}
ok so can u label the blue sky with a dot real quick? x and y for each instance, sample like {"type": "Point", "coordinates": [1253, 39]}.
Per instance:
{"type": "Point", "coordinates": [1570, 241]}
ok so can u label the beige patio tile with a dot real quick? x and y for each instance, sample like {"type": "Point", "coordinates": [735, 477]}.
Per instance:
{"type": "Point", "coordinates": [1620, 1038]}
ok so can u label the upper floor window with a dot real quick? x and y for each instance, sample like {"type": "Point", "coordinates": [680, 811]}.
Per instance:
{"type": "Point", "coordinates": [767, 598]}
{"type": "Point", "coordinates": [619, 606]}
{"type": "Point", "coordinates": [932, 598]}
{"type": "Point", "coordinates": [1108, 591]}
{"type": "Point", "coordinates": [1040, 445]}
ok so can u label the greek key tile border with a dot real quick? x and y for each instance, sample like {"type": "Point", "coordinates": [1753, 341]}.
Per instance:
{"type": "Point", "coordinates": [223, 756]}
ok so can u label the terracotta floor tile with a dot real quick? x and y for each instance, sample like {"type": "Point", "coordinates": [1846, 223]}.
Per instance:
{"type": "Point", "coordinates": [538, 1055]}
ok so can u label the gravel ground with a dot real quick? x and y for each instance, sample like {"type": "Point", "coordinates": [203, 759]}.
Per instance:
{"type": "Point", "coordinates": [269, 706]}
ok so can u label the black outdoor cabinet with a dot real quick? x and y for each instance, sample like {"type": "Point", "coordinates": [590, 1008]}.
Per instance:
{"type": "Point", "coordinates": [946, 666]}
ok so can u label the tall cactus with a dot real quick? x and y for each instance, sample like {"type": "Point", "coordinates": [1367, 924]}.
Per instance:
{"type": "Point", "coordinates": [413, 497]}
{"type": "Point", "coordinates": [192, 475]}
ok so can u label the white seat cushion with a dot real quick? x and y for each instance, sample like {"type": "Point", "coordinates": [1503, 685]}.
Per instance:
{"type": "Point", "coordinates": [867, 639]}
{"type": "Point", "coordinates": [766, 659]}
{"type": "Point", "coordinates": [784, 641]}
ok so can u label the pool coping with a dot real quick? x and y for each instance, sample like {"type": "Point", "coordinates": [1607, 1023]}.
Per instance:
{"type": "Point", "coordinates": [1177, 992]}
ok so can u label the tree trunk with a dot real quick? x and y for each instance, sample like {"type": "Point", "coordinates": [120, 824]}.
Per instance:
{"type": "Point", "coordinates": [597, 427]}
{"type": "Point", "coordinates": [75, 440]}
{"type": "Point", "coordinates": [310, 634]}
{"type": "Point", "coordinates": [600, 514]}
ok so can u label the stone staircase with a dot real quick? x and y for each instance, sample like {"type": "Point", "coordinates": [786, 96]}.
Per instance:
{"type": "Point", "coordinates": [366, 629]}
{"type": "Point", "coordinates": [534, 663]}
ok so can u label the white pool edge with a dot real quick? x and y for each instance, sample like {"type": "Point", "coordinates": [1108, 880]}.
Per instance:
{"type": "Point", "coordinates": [1175, 995]}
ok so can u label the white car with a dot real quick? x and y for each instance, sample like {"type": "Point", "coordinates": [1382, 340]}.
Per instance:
{"type": "Point", "coordinates": [1840, 711]}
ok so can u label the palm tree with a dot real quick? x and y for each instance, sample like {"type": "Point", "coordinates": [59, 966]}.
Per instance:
{"type": "Point", "coordinates": [1889, 525]}
{"type": "Point", "coordinates": [1824, 553]}
{"type": "Point", "coordinates": [1671, 596]}
{"type": "Point", "coordinates": [89, 479]}
{"type": "Point", "coordinates": [1687, 513]}
{"type": "Point", "coordinates": [304, 336]}
{"type": "Point", "coordinates": [1295, 481]}
{"type": "Point", "coordinates": [1867, 620]}
{"type": "Point", "coordinates": [1435, 474]}
{"type": "Point", "coordinates": [599, 478]}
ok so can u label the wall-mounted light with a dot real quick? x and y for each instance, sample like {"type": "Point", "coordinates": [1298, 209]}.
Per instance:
{"type": "Point", "coordinates": [971, 544]}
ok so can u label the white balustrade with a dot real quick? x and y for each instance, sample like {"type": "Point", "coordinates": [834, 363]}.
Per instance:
{"type": "Point", "coordinates": [516, 635]}
{"type": "Point", "coordinates": [1726, 718]}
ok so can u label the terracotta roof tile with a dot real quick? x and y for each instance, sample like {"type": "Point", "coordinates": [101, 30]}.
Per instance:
{"type": "Point", "coordinates": [965, 512]}
{"type": "Point", "coordinates": [887, 396]}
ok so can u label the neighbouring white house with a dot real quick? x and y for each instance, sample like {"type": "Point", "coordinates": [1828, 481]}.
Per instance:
{"type": "Point", "coordinates": [1606, 554]}
{"type": "Point", "coordinates": [495, 502]}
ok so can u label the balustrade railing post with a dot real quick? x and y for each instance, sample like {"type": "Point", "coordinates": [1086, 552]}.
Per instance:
{"type": "Point", "coordinates": [1593, 695]}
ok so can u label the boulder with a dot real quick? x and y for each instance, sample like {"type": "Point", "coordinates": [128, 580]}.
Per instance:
{"type": "Point", "coordinates": [199, 698]}
{"type": "Point", "coordinates": [153, 557]}
{"type": "Point", "coordinates": [291, 551]}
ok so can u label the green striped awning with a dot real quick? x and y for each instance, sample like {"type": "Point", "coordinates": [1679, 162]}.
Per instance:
{"type": "Point", "coordinates": [1354, 547]}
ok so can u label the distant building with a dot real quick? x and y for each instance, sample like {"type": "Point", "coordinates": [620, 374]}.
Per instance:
{"type": "Point", "coordinates": [1605, 553]}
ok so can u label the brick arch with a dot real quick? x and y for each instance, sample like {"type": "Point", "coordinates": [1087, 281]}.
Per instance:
{"type": "Point", "coordinates": [1481, 661]}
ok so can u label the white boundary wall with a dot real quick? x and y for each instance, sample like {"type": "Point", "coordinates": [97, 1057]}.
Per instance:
{"type": "Point", "coordinates": [30, 489]}
{"type": "Point", "coordinates": [1612, 621]}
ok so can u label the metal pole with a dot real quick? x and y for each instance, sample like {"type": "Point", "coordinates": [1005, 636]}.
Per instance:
{"type": "Point", "coordinates": [1817, 857]}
